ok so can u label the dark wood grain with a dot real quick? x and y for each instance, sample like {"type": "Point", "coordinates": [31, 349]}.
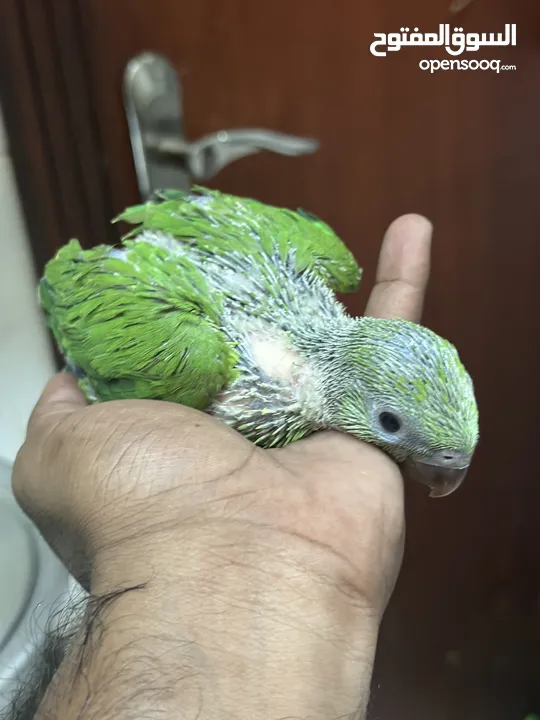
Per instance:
{"type": "Point", "coordinates": [461, 637]}
{"type": "Point", "coordinates": [23, 115]}
{"type": "Point", "coordinates": [52, 125]}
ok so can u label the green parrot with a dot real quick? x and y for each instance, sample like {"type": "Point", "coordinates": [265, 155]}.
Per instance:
{"type": "Point", "coordinates": [228, 305]}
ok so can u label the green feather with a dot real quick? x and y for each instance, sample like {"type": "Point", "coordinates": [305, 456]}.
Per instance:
{"type": "Point", "coordinates": [141, 326]}
{"type": "Point", "coordinates": [219, 223]}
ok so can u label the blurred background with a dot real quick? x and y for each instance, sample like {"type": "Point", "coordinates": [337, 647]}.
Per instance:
{"type": "Point", "coordinates": [105, 101]}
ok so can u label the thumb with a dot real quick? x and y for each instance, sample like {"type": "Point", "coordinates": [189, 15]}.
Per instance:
{"type": "Point", "coordinates": [38, 483]}
{"type": "Point", "coordinates": [60, 397]}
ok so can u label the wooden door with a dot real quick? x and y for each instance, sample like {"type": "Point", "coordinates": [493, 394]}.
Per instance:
{"type": "Point", "coordinates": [461, 638]}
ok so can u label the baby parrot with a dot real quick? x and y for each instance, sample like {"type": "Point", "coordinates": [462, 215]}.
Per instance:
{"type": "Point", "coordinates": [228, 305]}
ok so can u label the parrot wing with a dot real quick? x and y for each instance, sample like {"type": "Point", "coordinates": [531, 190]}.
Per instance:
{"type": "Point", "coordinates": [135, 323]}
{"type": "Point", "coordinates": [218, 223]}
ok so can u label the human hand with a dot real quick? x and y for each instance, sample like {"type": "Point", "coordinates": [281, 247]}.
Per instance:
{"type": "Point", "coordinates": [152, 492]}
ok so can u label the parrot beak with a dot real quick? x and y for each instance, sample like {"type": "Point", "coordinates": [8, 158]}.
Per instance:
{"type": "Point", "coordinates": [441, 479]}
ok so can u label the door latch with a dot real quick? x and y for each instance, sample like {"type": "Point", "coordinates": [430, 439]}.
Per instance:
{"type": "Point", "coordinates": [163, 156]}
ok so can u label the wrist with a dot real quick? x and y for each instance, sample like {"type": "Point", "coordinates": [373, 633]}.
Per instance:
{"type": "Point", "coordinates": [260, 622]}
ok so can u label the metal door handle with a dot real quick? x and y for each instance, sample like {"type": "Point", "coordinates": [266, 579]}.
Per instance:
{"type": "Point", "coordinates": [163, 157]}
{"type": "Point", "coordinates": [210, 154]}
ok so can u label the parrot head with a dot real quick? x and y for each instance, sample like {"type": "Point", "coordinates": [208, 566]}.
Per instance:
{"type": "Point", "coordinates": [404, 389]}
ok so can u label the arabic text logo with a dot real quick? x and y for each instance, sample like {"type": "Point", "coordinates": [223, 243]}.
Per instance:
{"type": "Point", "coordinates": [455, 43]}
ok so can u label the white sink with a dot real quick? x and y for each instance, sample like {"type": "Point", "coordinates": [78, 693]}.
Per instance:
{"type": "Point", "coordinates": [33, 583]}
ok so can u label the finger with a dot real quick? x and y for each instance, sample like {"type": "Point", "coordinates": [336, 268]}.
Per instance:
{"type": "Point", "coordinates": [60, 396]}
{"type": "Point", "coordinates": [40, 478]}
{"type": "Point", "coordinates": [403, 270]}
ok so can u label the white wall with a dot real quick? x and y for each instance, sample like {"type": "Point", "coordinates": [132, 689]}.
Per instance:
{"type": "Point", "coordinates": [26, 360]}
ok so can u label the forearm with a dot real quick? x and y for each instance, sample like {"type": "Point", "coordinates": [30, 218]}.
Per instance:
{"type": "Point", "coordinates": [225, 627]}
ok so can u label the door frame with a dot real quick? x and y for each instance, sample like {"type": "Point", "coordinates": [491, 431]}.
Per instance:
{"type": "Point", "coordinates": [51, 125]}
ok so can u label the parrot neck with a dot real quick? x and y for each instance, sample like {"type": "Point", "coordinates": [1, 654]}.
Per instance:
{"type": "Point", "coordinates": [329, 347]}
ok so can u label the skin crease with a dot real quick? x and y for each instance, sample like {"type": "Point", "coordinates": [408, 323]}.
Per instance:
{"type": "Point", "coordinates": [276, 566]}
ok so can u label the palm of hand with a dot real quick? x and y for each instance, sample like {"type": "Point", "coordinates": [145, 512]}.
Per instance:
{"type": "Point", "coordinates": [144, 467]}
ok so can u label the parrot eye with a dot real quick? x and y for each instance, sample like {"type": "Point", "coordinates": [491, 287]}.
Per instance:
{"type": "Point", "coordinates": [390, 423]}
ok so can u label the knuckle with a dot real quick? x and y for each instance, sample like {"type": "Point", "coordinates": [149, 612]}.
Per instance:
{"type": "Point", "coordinates": [21, 475]}
{"type": "Point", "coordinates": [43, 455]}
